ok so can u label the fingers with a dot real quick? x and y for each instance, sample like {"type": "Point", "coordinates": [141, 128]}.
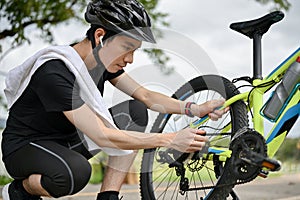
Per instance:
{"type": "Point", "coordinates": [198, 145]}
{"type": "Point", "coordinates": [217, 113]}
{"type": "Point", "coordinates": [226, 109]}
{"type": "Point", "coordinates": [199, 140]}
{"type": "Point", "coordinates": [198, 131]}
{"type": "Point", "coordinates": [195, 146]}
{"type": "Point", "coordinates": [217, 102]}
{"type": "Point", "coordinates": [189, 140]}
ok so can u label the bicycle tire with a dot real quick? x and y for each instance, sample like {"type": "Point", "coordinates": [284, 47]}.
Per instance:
{"type": "Point", "coordinates": [225, 181]}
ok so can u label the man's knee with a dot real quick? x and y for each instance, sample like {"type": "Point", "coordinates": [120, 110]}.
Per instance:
{"type": "Point", "coordinates": [67, 181]}
{"type": "Point", "coordinates": [139, 112]}
{"type": "Point", "coordinates": [130, 115]}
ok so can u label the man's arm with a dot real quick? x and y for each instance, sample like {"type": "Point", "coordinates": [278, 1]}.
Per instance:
{"type": "Point", "coordinates": [187, 140]}
{"type": "Point", "coordinates": [164, 104]}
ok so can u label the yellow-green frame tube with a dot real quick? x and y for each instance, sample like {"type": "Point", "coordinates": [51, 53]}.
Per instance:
{"type": "Point", "coordinates": [257, 103]}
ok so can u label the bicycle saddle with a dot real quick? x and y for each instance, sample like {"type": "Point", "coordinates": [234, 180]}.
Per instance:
{"type": "Point", "coordinates": [257, 26]}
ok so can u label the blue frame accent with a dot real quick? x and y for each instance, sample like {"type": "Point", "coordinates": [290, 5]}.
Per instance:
{"type": "Point", "coordinates": [215, 151]}
{"type": "Point", "coordinates": [283, 62]}
{"type": "Point", "coordinates": [292, 112]}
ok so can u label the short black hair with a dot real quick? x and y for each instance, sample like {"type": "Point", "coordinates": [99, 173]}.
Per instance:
{"type": "Point", "coordinates": [91, 31]}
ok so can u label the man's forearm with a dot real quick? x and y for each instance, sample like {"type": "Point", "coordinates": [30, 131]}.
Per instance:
{"type": "Point", "coordinates": [132, 140]}
{"type": "Point", "coordinates": [164, 104]}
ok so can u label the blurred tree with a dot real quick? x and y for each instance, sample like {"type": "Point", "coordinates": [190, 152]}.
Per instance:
{"type": "Point", "coordinates": [278, 4]}
{"type": "Point", "coordinates": [289, 151]}
{"type": "Point", "coordinates": [17, 15]}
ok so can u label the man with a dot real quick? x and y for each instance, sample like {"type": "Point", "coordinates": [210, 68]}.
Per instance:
{"type": "Point", "coordinates": [53, 99]}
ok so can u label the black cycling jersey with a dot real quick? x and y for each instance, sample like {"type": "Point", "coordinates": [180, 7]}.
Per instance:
{"type": "Point", "coordinates": [37, 114]}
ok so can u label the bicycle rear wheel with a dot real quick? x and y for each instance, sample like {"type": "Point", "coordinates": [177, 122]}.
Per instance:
{"type": "Point", "coordinates": [169, 174]}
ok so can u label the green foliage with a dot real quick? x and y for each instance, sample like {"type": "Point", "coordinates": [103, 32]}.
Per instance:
{"type": "Point", "coordinates": [2, 103]}
{"type": "Point", "coordinates": [157, 16]}
{"type": "Point", "coordinates": [279, 4]}
{"type": "Point", "coordinates": [4, 180]}
{"type": "Point", "coordinates": [160, 59]}
{"type": "Point", "coordinates": [289, 151]}
{"type": "Point", "coordinates": [43, 14]}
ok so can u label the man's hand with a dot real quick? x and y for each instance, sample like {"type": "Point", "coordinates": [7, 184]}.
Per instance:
{"type": "Point", "coordinates": [188, 140]}
{"type": "Point", "coordinates": [210, 108]}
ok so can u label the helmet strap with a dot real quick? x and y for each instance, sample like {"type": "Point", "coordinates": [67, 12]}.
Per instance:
{"type": "Point", "coordinates": [96, 54]}
{"type": "Point", "coordinates": [93, 41]}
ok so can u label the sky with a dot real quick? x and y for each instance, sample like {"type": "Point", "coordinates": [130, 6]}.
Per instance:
{"type": "Point", "coordinates": [207, 23]}
{"type": "Point", "coordinates": [199, 41]}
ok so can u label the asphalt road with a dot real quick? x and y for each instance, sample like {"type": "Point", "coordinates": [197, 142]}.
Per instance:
{"type": "Point", "coordinates": [285, 187]}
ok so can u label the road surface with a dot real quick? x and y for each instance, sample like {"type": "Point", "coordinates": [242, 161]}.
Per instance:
{"type": "Point", "coordinates": [285, 187]}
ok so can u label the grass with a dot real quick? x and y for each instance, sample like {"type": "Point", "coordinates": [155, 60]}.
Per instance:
{"type": "Point", "coordinates": [4, 180]}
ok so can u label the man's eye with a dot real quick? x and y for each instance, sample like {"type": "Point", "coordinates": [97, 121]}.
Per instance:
{"type": "Point", "coordinates": [126, 48]}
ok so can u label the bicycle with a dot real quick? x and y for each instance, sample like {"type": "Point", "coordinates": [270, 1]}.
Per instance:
{"type": "Point", "coordinates": [235, 153]}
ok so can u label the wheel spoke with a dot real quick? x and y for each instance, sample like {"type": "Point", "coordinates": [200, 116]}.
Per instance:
{"type": "Point", "coordinates": [162, 181]}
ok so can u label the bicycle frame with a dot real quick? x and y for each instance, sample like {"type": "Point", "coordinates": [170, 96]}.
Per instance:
{"type": "Point", "coordinates": [287, 117]}
{"type": "Point", "coordinates": [236, 153]}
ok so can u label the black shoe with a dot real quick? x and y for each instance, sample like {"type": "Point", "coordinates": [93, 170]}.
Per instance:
{"type": "Point", "coordinates": [13, 191]}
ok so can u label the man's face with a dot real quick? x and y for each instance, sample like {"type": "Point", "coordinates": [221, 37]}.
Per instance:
{"type": "Point", "coordinates": [118, 52]}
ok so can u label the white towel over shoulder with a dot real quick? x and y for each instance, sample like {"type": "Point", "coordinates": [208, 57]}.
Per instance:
{"type": "Point", "coordinates": [19, 77]}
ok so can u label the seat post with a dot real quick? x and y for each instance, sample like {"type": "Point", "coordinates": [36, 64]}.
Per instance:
{"type": "Point", "coordinates": [257, 56]}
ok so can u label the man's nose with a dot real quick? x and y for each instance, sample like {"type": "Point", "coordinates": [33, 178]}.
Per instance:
{"type": "Point", "coordinates": [129, 57]}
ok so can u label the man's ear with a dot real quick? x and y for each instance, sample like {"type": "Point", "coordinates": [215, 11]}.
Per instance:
{"type": "Point", "coordinates": [99, 34]}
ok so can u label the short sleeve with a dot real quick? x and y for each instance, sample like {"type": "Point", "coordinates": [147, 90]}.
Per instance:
{"type": "Point", "coordinates": [107, 76]}
{"type": "Point", "coordinates": [56, 87]}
